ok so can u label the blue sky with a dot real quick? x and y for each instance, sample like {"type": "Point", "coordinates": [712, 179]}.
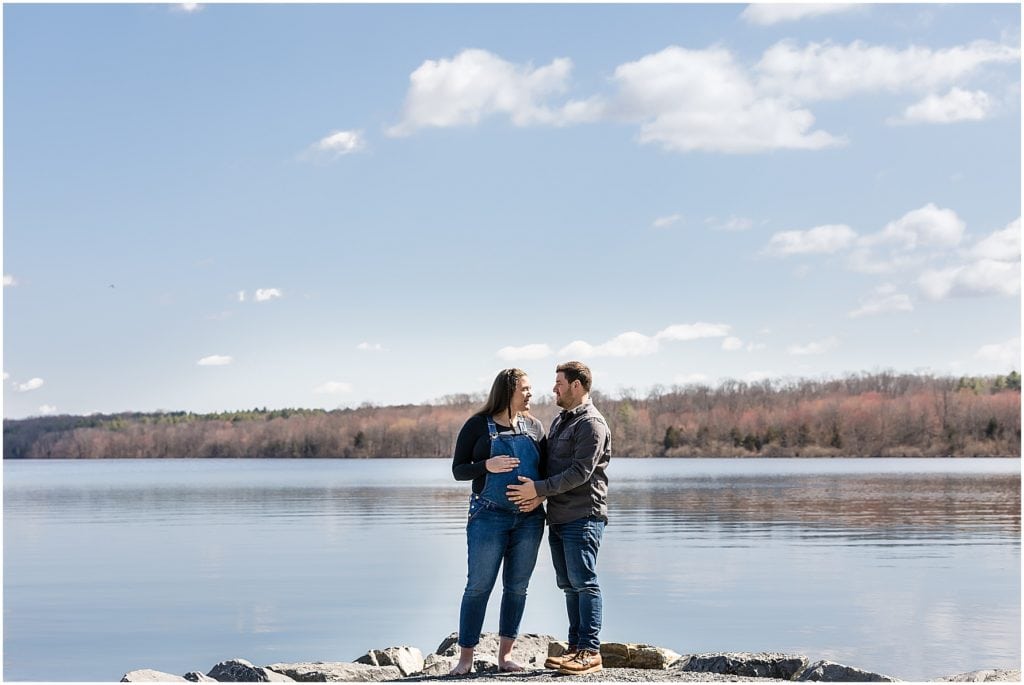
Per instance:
{"type": "Point", "coordinates": [216, 207]}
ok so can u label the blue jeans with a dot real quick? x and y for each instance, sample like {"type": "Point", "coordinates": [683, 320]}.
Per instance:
{"type": "Point", "coordinates": [498, 538]}
{"type": "Point", "coordinates": [574, 548]}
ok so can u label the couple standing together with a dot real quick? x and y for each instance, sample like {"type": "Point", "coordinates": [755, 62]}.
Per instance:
{"type": "Point", "coordinates": [515, 468]}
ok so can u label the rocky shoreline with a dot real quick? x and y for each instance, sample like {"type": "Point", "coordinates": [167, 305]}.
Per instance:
{"type": "Point", "coordinates": [622, 663]}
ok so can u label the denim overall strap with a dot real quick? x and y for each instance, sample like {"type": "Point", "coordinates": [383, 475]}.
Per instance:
{"type": "Point", "coordinates": [520, 446]}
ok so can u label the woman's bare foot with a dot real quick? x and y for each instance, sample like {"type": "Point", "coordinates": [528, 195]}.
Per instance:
{"type": "Point", "coordinates": [465, 664]}
{"type": "Point", "coordinates": [509, 666]}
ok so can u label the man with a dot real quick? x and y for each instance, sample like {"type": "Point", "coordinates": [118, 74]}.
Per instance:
{"type": "Point", "coordinates": [579, 449]}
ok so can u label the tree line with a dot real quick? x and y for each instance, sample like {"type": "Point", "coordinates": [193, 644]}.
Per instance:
{"type": "Point", "coordinates": [864, 415]}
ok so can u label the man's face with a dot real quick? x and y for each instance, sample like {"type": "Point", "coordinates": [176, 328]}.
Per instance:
{"type": "Point", "coordinates": [565, 392]}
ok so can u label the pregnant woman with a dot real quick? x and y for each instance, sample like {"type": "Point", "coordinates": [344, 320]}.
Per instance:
{"type": "Point", "coordinates": [497, 444]}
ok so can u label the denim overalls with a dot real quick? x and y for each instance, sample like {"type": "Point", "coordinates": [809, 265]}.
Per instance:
{"type": "Point", "coordinates": [518, 445]}
{"type": "Point", "coordinates": [497, 532]}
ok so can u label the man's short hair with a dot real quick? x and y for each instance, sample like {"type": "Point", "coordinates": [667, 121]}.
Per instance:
{"type": "Point", "coordinates": [576, 371]}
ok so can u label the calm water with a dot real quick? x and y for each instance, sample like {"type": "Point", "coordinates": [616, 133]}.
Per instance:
{"type": "Point", "coordinates": [908, 567]}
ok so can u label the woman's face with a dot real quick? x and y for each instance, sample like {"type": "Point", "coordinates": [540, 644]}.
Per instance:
{"type": "Point", "coordinates": [522, 394]}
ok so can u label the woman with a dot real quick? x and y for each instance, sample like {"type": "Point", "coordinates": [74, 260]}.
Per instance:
{"type": "Point", "coordinates": [497, 444]}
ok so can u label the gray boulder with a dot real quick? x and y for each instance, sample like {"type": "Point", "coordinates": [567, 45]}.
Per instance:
{"type": "Point", "coordinates": [633, 655]}
{"type": "Point", "coordinates": [148, 675]}
{"type": "Point", "coordinates": [408, 660]}
{"type": "Point", "coordinates": [529, 651]}
{"type": "Point", "coordinates": [335, 672]}
{"type": "Point", "coordinates": [831, 672]}
{"type": "Point", "coordinates": [242, 671]}
{"type": "Point", "coordinates": [437, 665]}
{"type": "Point", "coordinates": [984, 676]}
{"type": "Point", "coordinates": [759, 665]}
{"type": "Point", "coordinates": [197, 677]}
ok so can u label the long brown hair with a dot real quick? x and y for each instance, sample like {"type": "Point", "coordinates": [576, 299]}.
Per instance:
{"type": "Point", "coordinates": [500, 399]}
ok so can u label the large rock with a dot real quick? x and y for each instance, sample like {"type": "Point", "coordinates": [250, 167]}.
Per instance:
{"type": "Point", "coordinates": [632, 655]}
{"type": "Point", "coordinates": [409, 660]}
{"type": "Point", "coordinates": [437, 665]}
{"type": "Point", "coordinates": [148, 675]}
{"type": "Point", "coordinates": [242, 671]}
{"type": "Point", "coordinates": [831, 672]}
{"type": "Point", "coordinates": [197, 677]}
{"type": "Point", "coordinates": [985, 676]}
{"type": "Point", "coordinates": [335, 672]}
{"type": "Point", "coordinates": [759, 665]}
{"type": "Point", "coordinates": [529, 651]}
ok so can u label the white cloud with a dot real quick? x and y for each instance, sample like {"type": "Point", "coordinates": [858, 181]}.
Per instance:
{"type": "Point", "coordinates": [29, 385]}
{"type": "Point", "coordinates": [925, 226]}
{"type": "Point", "coordinates": [632, 344]}
{"type": "Point", "coordinates": [370, 347]}
{"type": "Point", "coordinates": [983, 277]}
{"type": "Point", "coordinates": [336, 144]}
{"type": "Point", "coordinates": [821, 239]}
{"type": "Point", "coordinates": [1006, 354]}
{"type": "Point", "coordinates": [769, 14]}
{"type": "Point", "coordinates": [662, 222]}
{"type": "Point", "coordinates": [703, 100]}
{"type": "Point", "coordinates": [47, 409]}
{"type": "Point", "coordinates": [476, 84]}
{"type": "Point", "coordinates": [6, 375]}
{"type": "Point", "coordinates": [241, 296]}
{"type": "Point", "coordinates": [9, 280]}
{"type": "Point", "coordinates": [956, 105]}
{"type": "Point", "coordinates": [816, 347]}
{"type": "Point", "coordinates": [732, 344]}
{"type": "Point", "coordinates": [1001, 245]}
{"type": "Point", "coordinates": [333, 388]}
{"type": "Point", "coordinates": [187, 7]}
{"type": "Point", "coordinates": [825, 71]}
{"type": "Point", "coordinates": [215, 360]}
{"type": "Point", "coordinates": [885, 299]}
{"type": "Point", "coordinates": [535, 351]}
{"type": "Point", "coordinates": [265, 294]}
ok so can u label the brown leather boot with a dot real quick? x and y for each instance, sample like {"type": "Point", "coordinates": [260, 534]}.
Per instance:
{"type": "Point", "coordinates": [585, 661]}
{"type": "Point", "coordinates": [556, 661]}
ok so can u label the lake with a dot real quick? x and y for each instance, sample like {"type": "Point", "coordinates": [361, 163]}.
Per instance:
{"type": "Point", "coordinates": [909, 567]}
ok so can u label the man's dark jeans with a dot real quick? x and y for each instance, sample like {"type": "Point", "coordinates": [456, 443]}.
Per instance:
{"type": "Point", "coordinates": [574, 547]}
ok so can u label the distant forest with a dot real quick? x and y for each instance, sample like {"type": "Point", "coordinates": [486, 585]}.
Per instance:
{"type": "Point", "coordinates": [866, 415]}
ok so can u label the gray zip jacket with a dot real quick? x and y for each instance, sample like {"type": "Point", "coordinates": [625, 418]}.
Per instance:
{"type": "Point", "coordinates": [579, 449]}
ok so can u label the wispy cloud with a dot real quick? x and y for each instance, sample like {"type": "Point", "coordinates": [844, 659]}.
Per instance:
{"type": "Point", "coordinates": [666, 221]}
{"type": "Point", "coordinates": [632, 343]}
{"type": "Point", "coordinates": [527, 352]}
{"type": "Point", "coordinates": [733, 223]}
{"type": "Point", "coordinates": [956, 105]}
{"type": "Point", "coordinates": [827, 71]}
{"type": "Point", "coordinates": [215, 360]}
{"type": "Point", "coordinates": [691, 379]}
{"type": "Point", "coordinates": [10, 280]}
{"type": "Point", "coordinates": [29, 385]}
{"type": "Point", "coordinates": [819, 240]}
{"type": "Point", "coordinates": [927, 226]}
{"type": "Point", "coordinates": [732, 343]}
{"type": "Point", "coordinates": [883, 300]}
{"type": "Point", "coordinates": [1002, 245]}
{"type": "Point", "coordinates": [816, 347]}
{"type": "Point", "coordinates": [266, 294]}
{"type": "Point", "coordinates": [1007, 354]}
{"type": "Point", "coordinates": [241, 296]}
{"type": "Point", "coordinates": [333, 388]}
{"type": "Point", "coordinates": [47, 409]}
{"type": "Point", "coordinates": [770, 14]}
{"type": "Point", "coordinates": [187, 7]}
{"type": "Point", "coordinates": [370, 347]}
{"type": "Point", "coordinates": [476, 84]}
